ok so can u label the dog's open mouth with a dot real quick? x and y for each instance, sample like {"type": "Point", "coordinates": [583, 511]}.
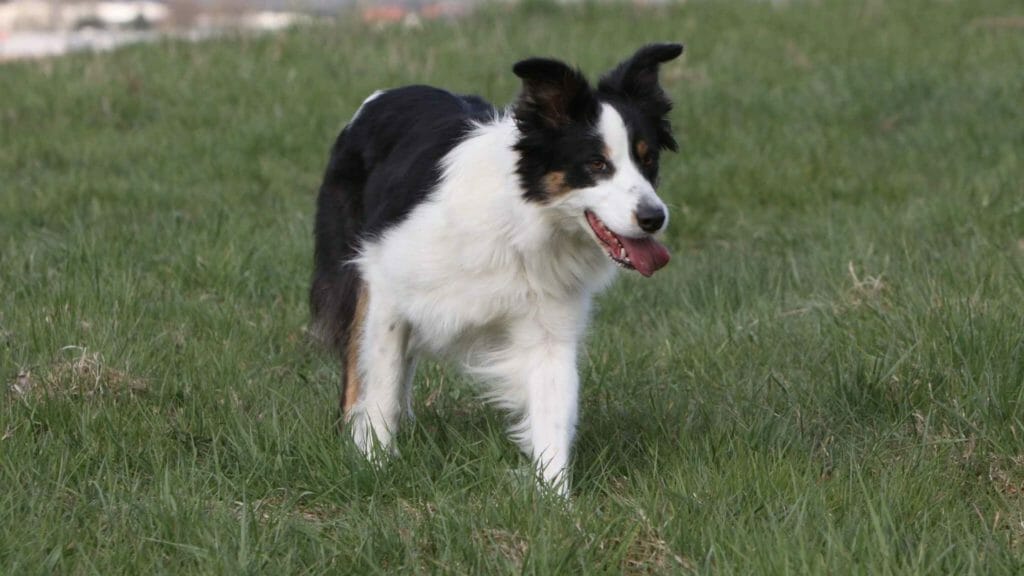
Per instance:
{"type": "Point", "coordinates": [645, 255]}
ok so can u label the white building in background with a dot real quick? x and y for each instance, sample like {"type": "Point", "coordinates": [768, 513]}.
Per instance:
{"type": "Point", "coordinates": [44, 28]}
{"type": "Point", "coordinates": [41, 28]}
{"type": "Point", "coordinates": [61, 15]}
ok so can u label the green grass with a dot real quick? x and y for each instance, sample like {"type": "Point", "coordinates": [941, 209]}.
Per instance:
{"type": "Point", "coordinates": [828, 378]}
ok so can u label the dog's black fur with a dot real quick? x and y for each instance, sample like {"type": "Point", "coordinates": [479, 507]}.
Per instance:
{"type": "Point", "coordinates": [412, 128]}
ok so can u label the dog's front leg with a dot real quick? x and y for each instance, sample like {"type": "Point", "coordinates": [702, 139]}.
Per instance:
{"type": "Point", "coordinates": [549, 417]}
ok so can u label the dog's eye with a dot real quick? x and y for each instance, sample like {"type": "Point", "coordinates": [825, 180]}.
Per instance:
{"type": "Point", "coordinates": [598, 165]}
{"type": "Point", "coordinates": [648, 161]}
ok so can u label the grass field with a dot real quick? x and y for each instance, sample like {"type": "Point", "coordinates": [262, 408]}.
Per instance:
{"type": "Point", "coordinates": [828, 378]}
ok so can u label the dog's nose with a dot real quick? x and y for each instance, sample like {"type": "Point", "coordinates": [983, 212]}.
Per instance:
{"type": "Point", "coordinates": [650, 217]}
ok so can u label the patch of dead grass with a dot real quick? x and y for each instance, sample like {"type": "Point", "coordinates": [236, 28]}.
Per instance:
{"type": "Point", "coordinates": [646, 552]}
{"type": "Point", "coordinates": [1006, 475]}
{"type": "Point", "coordinates": [77, 373]}
{"type": "Point", "coordinates": [997, 23]}
{"type": "Point", "coordinates": [798, 57]}
{"type": "Point", "coordinates": [865, 290]}
{"type": "Point", "coordinates": [281, 504]}
{"type": "Point", "coordinates": [511, 546]}
{"type": "Point", "coordinates": [649, 553]}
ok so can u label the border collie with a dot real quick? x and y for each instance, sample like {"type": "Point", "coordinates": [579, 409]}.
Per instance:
{"type": "Point", "coordinates": [447, 227]}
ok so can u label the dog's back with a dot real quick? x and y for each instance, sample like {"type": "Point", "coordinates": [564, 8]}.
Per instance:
{"type": "Point", "coordinates": [382, 165]}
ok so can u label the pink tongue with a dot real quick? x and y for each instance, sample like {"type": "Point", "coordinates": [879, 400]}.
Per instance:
{"type": "Point", "coordinates": [646, 254]}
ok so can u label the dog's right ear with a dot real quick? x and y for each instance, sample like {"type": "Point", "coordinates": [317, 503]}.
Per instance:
{"type": "Point", "coordinates": [553, 94]}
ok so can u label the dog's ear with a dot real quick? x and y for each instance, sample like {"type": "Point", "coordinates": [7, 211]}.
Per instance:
{"type": "Point", "coordinates": [553, 94]}
{"type": "Point", "coordinates": [636, 78]}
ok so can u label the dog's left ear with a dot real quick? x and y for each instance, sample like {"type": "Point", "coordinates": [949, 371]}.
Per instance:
{"type": "Point", "coordinates": [553, 94]}
{"type": "Point", "coordinates": [636, 78]}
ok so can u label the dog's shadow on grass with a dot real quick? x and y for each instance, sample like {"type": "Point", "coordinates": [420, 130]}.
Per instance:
{"type": "Point", "coordinates": [621, 443]}
{"type": "Point", "coordinates": [611, 445]}
{"type": "Point", "coordinates": [443, 445]}
{"type": "Point", "coordinates": [460, 439]}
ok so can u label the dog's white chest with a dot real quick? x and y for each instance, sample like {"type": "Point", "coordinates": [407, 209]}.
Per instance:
{"type": "Point", "coordinates": [449, 305]}
{"type": "Point", "coordinates": [461, 286]}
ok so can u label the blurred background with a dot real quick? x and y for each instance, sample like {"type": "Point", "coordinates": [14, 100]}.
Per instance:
{"type": "Point", "coordinates": [37, 28]}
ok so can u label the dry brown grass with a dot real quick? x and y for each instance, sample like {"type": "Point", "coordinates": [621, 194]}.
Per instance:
{"type": "Point", "coordinates": [864, 290]}
{"type": "Point", "coordinates": [77, 373]}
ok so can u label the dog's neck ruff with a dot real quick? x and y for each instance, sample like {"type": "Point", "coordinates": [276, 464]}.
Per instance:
{"type": "Point", "coordinates": [489, 224]}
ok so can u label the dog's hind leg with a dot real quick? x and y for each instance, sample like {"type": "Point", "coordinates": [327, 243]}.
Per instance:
{"type": "Point", "coordinates": [351, 379]}
{"type": "Point", "coordinates": [376, 374]}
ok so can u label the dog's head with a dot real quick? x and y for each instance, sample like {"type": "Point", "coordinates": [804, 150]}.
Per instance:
{"type": "Point", "coordinates": [592, 154]}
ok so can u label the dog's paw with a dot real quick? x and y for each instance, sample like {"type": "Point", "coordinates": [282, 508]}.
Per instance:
{"type": "Point", "coordinates": [528, 477]}
{"type": "Point", "coordinates": [377, 447]}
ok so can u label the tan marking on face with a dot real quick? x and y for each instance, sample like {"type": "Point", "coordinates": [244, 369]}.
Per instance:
{"type": "Point", "coordinates": [555, 185]}
{"type": "Point", "coordinates": [642, 149]}
{"type": "Point", "coordinates": [352, 382]}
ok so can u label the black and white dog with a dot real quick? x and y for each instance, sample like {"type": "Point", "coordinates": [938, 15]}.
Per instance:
{"type": "Point", "coordinates": [450, 228]}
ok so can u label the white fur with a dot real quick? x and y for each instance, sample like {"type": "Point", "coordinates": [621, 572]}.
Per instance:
{"type": "Point", "coordinates": [614, 203]}
{"type": "Point", "coordinates": [503, 285]}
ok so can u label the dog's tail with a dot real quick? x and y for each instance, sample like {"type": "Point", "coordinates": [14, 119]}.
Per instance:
{"type": "Point", "coordinates": [336, 291]}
